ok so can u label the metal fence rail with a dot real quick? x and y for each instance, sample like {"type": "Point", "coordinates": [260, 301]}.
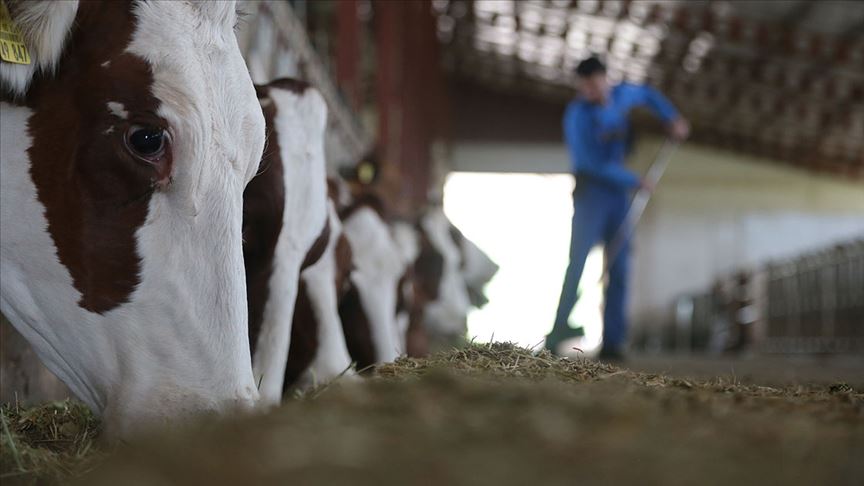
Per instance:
{"type": "Point", "coordinates": [275, 44]}
{"type": "Point", "coordinates": [810, 304]}
{"type": "Point", "coordinates": [816, 302]}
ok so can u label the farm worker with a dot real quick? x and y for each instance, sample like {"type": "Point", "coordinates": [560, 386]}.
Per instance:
{"type": "Point", "coordinates": [596, 131]}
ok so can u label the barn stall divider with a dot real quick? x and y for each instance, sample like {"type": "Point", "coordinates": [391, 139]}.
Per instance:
{"type": "Point", "coordinates": [813, 303]}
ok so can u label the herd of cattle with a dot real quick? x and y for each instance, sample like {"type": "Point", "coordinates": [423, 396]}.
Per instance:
{"type": "Point", "coordinates": [162, 258]}
{"type": "Point", "coordinates": [334, 279]}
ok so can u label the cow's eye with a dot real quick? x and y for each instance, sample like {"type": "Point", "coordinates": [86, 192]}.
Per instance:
{"type": "Point", "coordinates": [147, 142]}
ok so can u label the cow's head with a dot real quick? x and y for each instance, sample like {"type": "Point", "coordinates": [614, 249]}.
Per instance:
{"type": "Point", "coordinates": [126, 146]}
{"type": "Point", "coordinates": [447, 310]}
{"type": "Point", "coordinates": [477, 268]}
{"type": "Point", "coordinates": [376, 274]}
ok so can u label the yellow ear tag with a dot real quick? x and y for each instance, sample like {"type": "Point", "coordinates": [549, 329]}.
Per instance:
{"type": "Point", "coordinates": [365, 173]}
{"type": "Point", "coordinates": [12, 48]}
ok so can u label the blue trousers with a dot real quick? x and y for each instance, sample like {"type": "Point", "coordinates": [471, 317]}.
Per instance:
{"type": "Point", "coordinates": [598, 212]}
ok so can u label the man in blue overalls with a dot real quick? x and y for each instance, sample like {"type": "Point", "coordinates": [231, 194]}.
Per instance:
{"type": "Point", "coordinates": [597, 131]}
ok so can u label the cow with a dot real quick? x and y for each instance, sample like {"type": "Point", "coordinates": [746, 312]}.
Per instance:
{"type": "Point", "coordinates": [445, 273]}
{"type": "Point", "coordinates": [446, 312]}
{"type": "Point", "coordinates": [368, 308]}
{"type": "Point", "coordinates": [346, 307]}
{"type": "Point", "coordinates": [285, 223]}
{"type": "Point", "coordinates": [447, 279]}
{"type": "Point", "coordinates": [318, 351]}
{"type": "Point", "coordinates": [127, 142]}
{"type": "Point", "coordinates": [408, 299]}
{"type": "Point", "coordinates": [476, 267]}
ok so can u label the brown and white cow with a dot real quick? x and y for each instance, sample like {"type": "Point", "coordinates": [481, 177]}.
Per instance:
{"type": "Point", "coordinates": [285, 223]}
{"type": "Point", "coordinates": [126, 146]}
{"type": "Point", "coordinates": [447, 312]}
{"type": "Point", "coordinates": [346, 302]}
{"type": "Point", "coordinates": [319, 352]}
{"type": "Point", "coordinates": [419, 286]}
{"type": "Point", "coordinates": [368, 308]}
{"type": "Point", "coordinates": [447, 279]}
{"type": "Point", "coordinates": [477, 268]}
{"type": "Point", "coordinates": [444, 272]}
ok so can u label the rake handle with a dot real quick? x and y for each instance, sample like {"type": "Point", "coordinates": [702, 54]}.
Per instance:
{"type": "Point", "coordinates": [638, 205]}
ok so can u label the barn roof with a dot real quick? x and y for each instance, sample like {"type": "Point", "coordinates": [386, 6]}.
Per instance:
{"type": "Point", "coordinates": [782, 79]}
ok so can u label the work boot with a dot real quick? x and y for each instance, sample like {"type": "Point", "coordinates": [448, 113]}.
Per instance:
{"type": "Point", "coordinates": [559, 335]}
{"type": "Point", "coordinates": [611, 354]}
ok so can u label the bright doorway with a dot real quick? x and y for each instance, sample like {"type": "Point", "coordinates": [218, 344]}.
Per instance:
{"type": "Point", "coordinates": [522, 221]}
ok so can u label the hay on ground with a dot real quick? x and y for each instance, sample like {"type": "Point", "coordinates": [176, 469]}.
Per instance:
{"type": "Point", "coordinates": [489, 414]}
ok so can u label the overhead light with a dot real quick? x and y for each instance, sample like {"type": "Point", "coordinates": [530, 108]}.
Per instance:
{"type": "Point", "coordinates": [638, 11]}
{"type": "Point", "coordinates": [440, 6]}
{"type": "Point", "coordinates": [530, 20]}
{"type": "Point", "coordinates": [691, 63]}
{"type": "Point", "coordinates": [485, 9]}
{"type": "Point", "coordinates": [588, 6]}
{"type": "Point", "coordinates": [577, 39]}
{"type": "Point", "coordinates": [701, 44]}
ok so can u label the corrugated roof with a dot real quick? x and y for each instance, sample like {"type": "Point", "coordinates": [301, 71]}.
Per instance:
{"type": "Point", "coordinates": [783, 79]}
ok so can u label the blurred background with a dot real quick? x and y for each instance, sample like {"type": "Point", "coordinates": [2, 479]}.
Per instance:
{"type": "Point", "coordinates": [753, 241]}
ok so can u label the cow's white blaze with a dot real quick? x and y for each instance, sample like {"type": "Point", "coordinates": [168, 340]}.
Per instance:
{"type": "Point", "coordinates": [376, 277]}
{"type": "Point", "coordinates": [117, 109]}
{"type": "Point", "coordinates": [448, 313]}
{"type": "Point", "coordinates": [332, 358]}
{"type": "Point", "coordinates": [300, 123]}
{"type": "Point", "coordinates": [180, 343]}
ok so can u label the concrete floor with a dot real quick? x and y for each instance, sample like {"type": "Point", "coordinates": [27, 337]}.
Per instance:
{"type": "Point", "coordinates": [760, 369]}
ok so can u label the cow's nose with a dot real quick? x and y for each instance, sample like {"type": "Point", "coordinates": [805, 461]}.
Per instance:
{"type": "Point", "coordinates": [247, 400]}
{"type": "Point", "coordinates": [164, 409]}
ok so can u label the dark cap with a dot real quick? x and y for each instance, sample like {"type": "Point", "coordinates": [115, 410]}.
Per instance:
{"type": "Point", "coordinates": [590, 67]}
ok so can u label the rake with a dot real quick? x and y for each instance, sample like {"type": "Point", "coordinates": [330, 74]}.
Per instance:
{"type": "Point", "coordinates": [638, 205]}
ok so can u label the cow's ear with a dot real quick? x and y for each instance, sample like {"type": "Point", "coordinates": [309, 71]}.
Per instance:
{"type": "Point", "coordinates": [44, 26]}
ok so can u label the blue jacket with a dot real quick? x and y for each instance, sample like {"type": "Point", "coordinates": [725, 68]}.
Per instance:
{"type": "Point", "coordinates": [597, 135]}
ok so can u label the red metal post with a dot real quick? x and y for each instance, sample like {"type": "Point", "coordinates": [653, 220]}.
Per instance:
{"type": "Point", "coordinates": [409, 98]}
{"type": "Point", "coordinates": [348, 51]}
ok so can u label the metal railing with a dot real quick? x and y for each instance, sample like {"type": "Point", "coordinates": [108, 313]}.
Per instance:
{"type": "Point", "coordinates": [816, 303]}
{"type": "Point", "coordinates": [275, 44]}
{"type": "Point", "coordinates": [810, 304]}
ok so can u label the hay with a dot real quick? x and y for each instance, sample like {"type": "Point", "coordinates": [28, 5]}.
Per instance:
{"type": "Point", "coordinates": [491, 414]}
{"type": "Point", "coordinates": [46, 443]}
{"type": "Point", "coordinates": [506, 361]}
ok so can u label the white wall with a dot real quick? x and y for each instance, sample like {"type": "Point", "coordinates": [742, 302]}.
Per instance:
{"type": "Point", "coordinates": [509, 157]}
{"type": "Point", "coordinates": [715, 211]}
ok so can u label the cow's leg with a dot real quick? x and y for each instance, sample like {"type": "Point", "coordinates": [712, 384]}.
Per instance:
{"type": "Point", "coordinates": [271, 353]}
{"type": "Point", "coordinates": [304, 337]}
{"type": "Point", "coordinates": [332, 358]}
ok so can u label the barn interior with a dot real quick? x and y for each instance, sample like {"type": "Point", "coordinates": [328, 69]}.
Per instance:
{"type": "Point", "coordinates": [748, 264]}
{"type": "Point", "coordinates": [463, 100]}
